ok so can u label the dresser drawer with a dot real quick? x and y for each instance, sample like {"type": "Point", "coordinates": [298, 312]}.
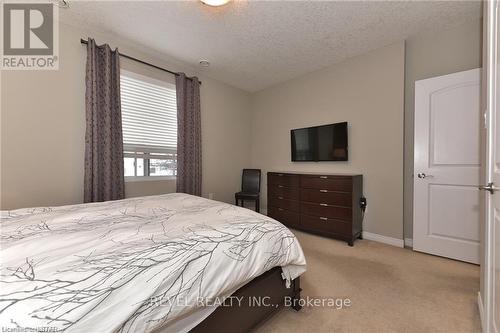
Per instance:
{"type": "Point", "coordinates": [326, 196]}
{"type": "Point", "coordinates": [332, 183]}
{"type": "Point", "coordinates": [324, 224]}
{"type": "Point", "coordinates": [284, 179]}
{"type": "Point", "coordinates": [283, 191]}
{"type": "Point", "coordinates": [280, 202]}
{"type": "Point", "coordinates": [284, 216]}
{"type": "Point", "coordinates": [324, 210]}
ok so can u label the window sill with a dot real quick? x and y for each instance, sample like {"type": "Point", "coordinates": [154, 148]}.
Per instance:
{"type": "Point", "coordinates": [148, 178]}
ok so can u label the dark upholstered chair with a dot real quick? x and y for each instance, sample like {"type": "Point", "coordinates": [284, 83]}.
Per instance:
{"type": "Point", "coordinates": [250, 188]}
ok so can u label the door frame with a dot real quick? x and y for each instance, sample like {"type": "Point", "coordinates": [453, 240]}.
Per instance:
{"type": "Point", "coordinates": [489, 225]}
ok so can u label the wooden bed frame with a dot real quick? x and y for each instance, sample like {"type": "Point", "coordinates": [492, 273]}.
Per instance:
{"type": "Point", "coordinates": [242, 319]}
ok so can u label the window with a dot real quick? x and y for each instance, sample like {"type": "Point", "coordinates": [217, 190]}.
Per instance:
{"type": "Point", "coordinates": [149, 122]}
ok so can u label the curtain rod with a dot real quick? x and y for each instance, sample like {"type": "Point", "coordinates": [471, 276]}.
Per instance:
{"type": "Point", "coordinates": [83, 41]}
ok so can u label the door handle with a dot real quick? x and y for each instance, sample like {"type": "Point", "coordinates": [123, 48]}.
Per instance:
{"type": "Point", "coordinates": [490, 188]}
{"type": "Point", "coordinates": [422, 175]}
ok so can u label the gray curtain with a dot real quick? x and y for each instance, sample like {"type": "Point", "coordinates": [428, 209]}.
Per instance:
{"type": "Point", "coordinates": [104, 178]}
{"type": "Point", "coordinates": [188, 135]}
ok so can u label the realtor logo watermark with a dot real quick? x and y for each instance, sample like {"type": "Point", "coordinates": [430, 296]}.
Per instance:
{"type": "Point", "coordinates": [30, 36]}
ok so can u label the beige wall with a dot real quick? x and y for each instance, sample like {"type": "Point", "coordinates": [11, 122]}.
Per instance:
{"type": "Point", "coordinates": [43, 116]}
{"type": "Point", "coordinates": [428, 55]}
{"type": "Point", "coordinates": [43, 129]}
{"type": "Point", "coordinates": [367, 91]}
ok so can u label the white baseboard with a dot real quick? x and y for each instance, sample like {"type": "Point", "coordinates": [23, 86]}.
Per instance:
{"type": "Point", "coordinates": [383, 239]}
{"type": "Point", "coordinates": [481, 310]}
{"type": "Point", "coordinates": [409, 242]}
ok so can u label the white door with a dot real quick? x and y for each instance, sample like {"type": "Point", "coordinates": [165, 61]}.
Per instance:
{"type": "Point", "coordinates": [447, 166]}
{"type": "Point", "coordinates": [494, 162]}
{"type": "Point", "coordinates": [491, 297]}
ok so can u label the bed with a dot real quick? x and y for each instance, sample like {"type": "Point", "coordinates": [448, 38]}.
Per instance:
{"type": "Point", "coordinates": [167, 263]}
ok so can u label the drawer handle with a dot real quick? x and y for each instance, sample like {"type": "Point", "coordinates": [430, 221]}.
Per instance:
{"type": "Point", "coordinates": [324, 191]}
{"type": "Point", "coordinates": [323, 177]}
{"type": "Point", "coordinates": [280, 209]}
{"type": "Point", "coordinates": [280, 186]}
{"type": "Point", "coordinates": [324, 218]}
{"type": "Point", "coordinates": [323, 204]}
{"type": "Point", "coordinates": [280, 174]}
{"type": "Point", "coordinates": [281, 198]}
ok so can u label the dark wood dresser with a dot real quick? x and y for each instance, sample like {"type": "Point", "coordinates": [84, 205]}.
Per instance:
{"type": "Point", "coordinates": [325, 204]}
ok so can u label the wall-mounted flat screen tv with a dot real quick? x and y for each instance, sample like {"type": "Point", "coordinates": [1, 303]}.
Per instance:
{"type": "Point", "coordinates": [320, 143]}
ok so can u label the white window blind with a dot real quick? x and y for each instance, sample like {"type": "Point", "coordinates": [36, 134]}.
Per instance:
{"type": "Point", "coordinates": [149, 114]}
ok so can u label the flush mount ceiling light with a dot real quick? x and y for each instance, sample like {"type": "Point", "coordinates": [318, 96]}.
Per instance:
{"type": "Point", "coordinates": [215, 3]}
{"type": "Point", "coordinates": [61, 3]}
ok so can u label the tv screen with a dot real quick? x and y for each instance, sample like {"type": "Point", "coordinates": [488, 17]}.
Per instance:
{"type": "Point", "coordinates": [320, 143]}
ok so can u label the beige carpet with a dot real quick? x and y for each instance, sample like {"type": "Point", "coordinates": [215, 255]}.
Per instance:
{"type": "Point", "coordinates": [391, 290]}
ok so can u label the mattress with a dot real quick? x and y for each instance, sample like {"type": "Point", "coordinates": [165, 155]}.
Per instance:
{"type": "Point", "coordinates": [134, 265]}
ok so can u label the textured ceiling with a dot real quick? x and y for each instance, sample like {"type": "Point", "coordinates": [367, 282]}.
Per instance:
{"type": "Point", "coordinates": [256, 44]}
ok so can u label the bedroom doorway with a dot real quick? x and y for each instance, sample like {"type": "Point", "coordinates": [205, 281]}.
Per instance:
{"type": "Point", "coordinates": [447, 166]}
